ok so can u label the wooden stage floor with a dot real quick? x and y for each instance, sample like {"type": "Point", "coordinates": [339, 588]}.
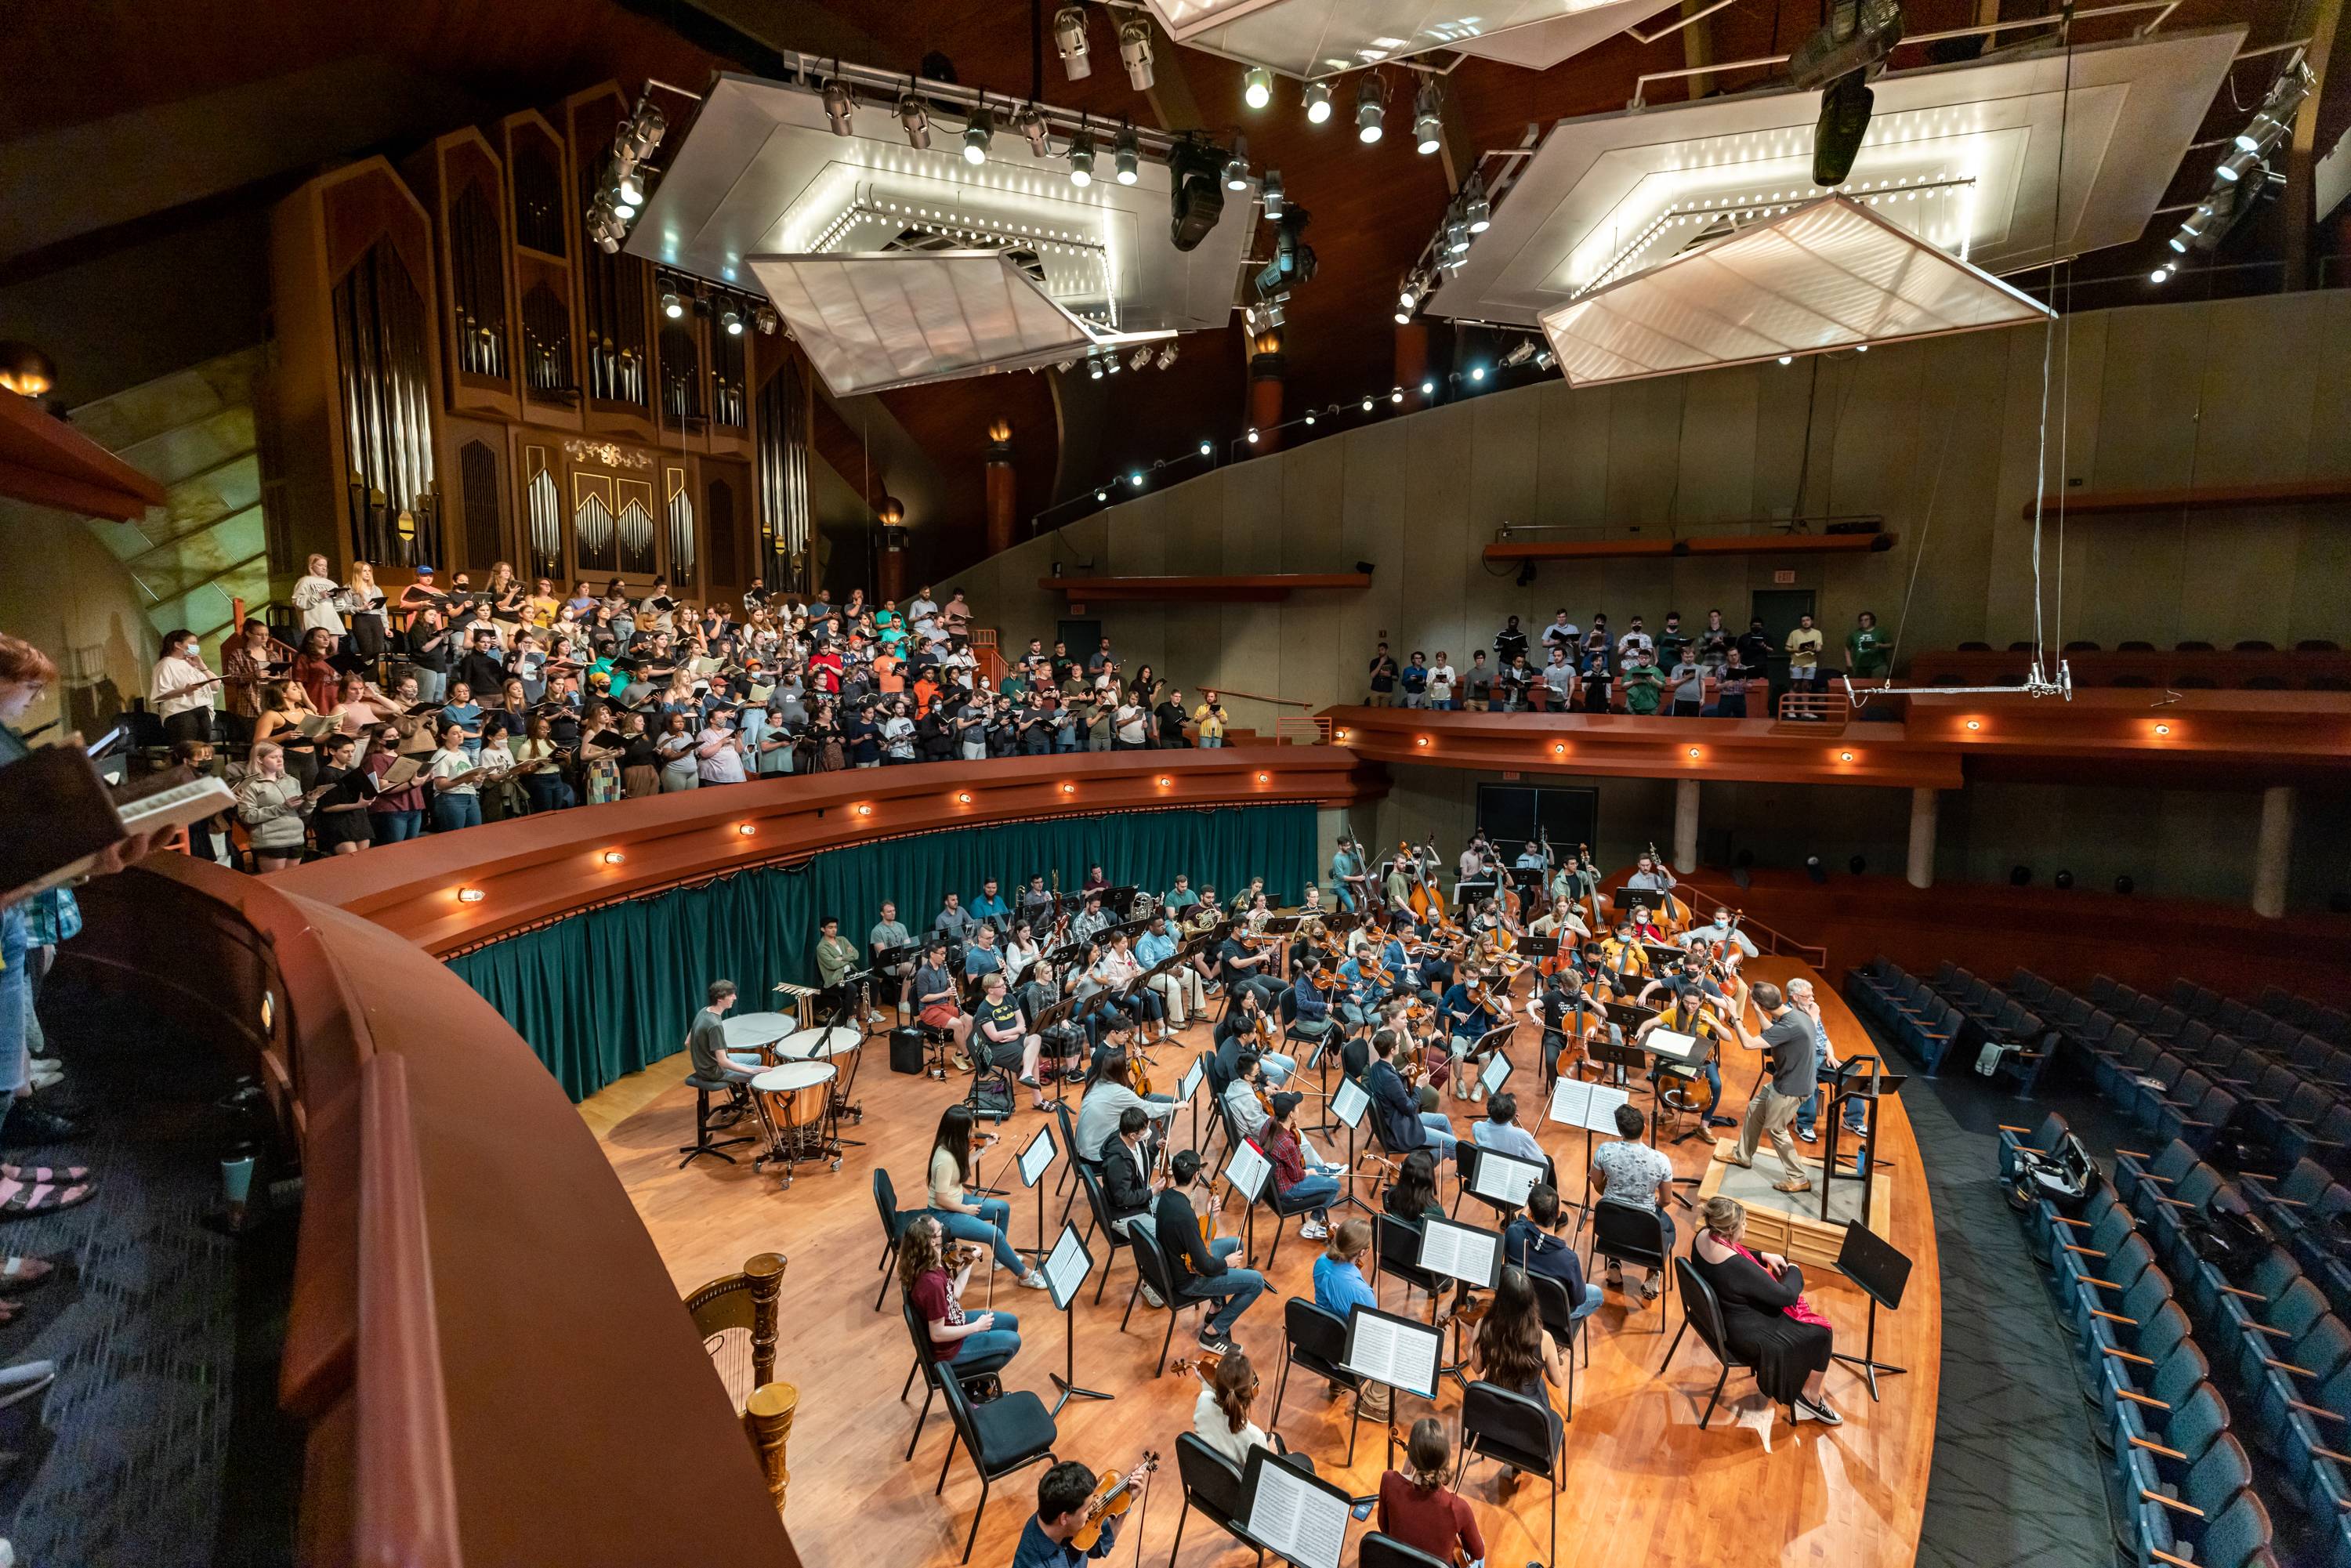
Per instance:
{"type": "Point", "coordinates": [1642, 1483]}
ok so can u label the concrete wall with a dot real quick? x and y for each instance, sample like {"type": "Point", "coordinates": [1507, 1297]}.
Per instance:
{"type": "Point", "coordinates": [1942, 438]}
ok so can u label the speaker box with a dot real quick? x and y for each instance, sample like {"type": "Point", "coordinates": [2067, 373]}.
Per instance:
{"type": "Point", "coordinates": [907, 1050]}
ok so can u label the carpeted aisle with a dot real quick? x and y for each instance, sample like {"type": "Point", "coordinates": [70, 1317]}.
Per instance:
{"type": "Point", "coordinates": [2017, 1475]}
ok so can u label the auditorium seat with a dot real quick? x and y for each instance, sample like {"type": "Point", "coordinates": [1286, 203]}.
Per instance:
{"type": "Point", "coordinates": [1975, 647]}
{"type": "Point", "coordinates": [2316, 645]}
{"type": "Point", "coordinates": [2191, 648]}
{"type": "Point", "coordinates": [2255, 645]}
{"type": "Point", "coordinates": [2135, 647]}
{"type": "Point", "coordinates": [2082, 648]}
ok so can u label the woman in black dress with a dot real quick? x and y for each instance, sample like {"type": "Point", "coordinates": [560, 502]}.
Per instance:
{"type": "Point", "coordinates": [340, 822]}
{"type": "Point", "coordinates": [1770, 1324]}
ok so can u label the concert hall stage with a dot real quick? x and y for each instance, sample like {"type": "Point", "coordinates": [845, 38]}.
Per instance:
{"type": "Point", "coordinates": [1642, 1483]}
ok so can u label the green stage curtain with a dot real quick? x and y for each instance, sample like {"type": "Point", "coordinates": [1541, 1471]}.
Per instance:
{"type": "Point", "coordinates": [608, 992]}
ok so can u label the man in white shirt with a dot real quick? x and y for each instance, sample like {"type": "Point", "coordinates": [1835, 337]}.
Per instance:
{"type": "Point", "coordinates": [1500, 1131]}
{"type": "Point", "coordinates": [1441, 679]}
{"type": "Point", "coordinates": [1632, 639]}
{"type": "Point", "coordinates": [1559, 678]}
{"type": "Point", "coordinates": [1562, 632]}
{"type": "Point", "coordinates": [1129, 726]}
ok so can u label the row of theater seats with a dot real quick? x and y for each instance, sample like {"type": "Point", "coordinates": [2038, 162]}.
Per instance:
{"type": "Point", "coordinates": [2156, 1298]}
{"type": "Point", "coordinates": [2201, 1068]}
{"type": "Point", "coordinates": [1955, 1009]}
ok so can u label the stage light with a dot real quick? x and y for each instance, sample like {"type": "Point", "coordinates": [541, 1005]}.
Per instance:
{"type": "Point", "coordinates": [1559, 748]}
{"type": "Point", "coordinates": [632, 188]}
{"type": "Point", "coordinates": [1814, 869]}
{"type": "Point", "coordinates": [2063, 879]}
{"type": "Point", "coordinates": [916, 118]}
{"type": "Point", "coordinates": [1195, 196]}
{"type": "Point", "coordinates": [745, 829]}
{"type": "Point", "coordinates": [839, 106]}
{"type": "Point", "coordinates": [1395, 394]}
{"type": "Point", "coordinates": [1843, 126]}
{"type": "Point", "coordinates": [1257, 86]}
{"type": "Point", "coordinates": [613, 857]}
{"type": "Point", "coordinates": [1367, 405]}
{"type": "Point", "coordinates": [1069, 38]}
{"type": "Point", "coordinates": [1126, 157]}
{"type": "Point", "coordinates": [1236, 166]}
{"type": "Point", "coordinates": [1309, 416]}
{"type": "Point", "coordinates": [1422, 741]}
{"type": "Point", "coordinates": [1369, 110]}
{"type": "Point", "coordinates": [1207, 449]}
{"type": "Point", "coordinates": [1457, 238]}
{"type": "Point", "coordinates": [2265, 129]}
{"type": "Point", "coordinates": [1135, 478]}
{"type": "Point", "coordinates": [2237, 165]}
{"type": "Point", "coordinates": [1134, 54]}
{"type": "Point", "coordinates": [1318, 102]}
{"type": "Point", "coordinates": [1476, 209]}
{"type": "Point", "coordinates": [1030, 124]}
{"type": "Point", "coordinates": [1265, 778]}
{"type": "Point", "coordinates": [1094, 367]}
{"type": "Point", "coordinates": [470, 895]}
{"type": "Point", "coordinates": [1340, 735]}
{"type": "Point", "coordinates": [978, 135]}
{"type": "Point", "coordinates": [732, 319]}
{"type": "Point", "coordinates": [764, 320]}
{"type": "Point", "coordinates": [1427, 388]}
{"type": "Point", "coordinates": [1166, 354]}
{"type": "Point", "coordinates": [1273, 192]}
{"type": "Point", "coordinates": [1407, 297]}
{"type": "Point", "coordinates": [1787, 359]}
{"type": "Point", "coordinates": [2160, 274]}
{"type": "Point", "coordinates": [1102, 495]}
{"type": "Point", "coordinates": [1428, 127]}
{"type": "Point", "coordinates": [1252, 435]}
{"type": "Point", "coordinates": [671, 306]}
{"type": "Point", "coordinates": [24, 369]}
{"type": "Point", "coordinates": [1139, 358]}
{"type": "Point", "coordinates": [1081, 158]}
{"type": "Point", "coordinates": [1477, 373]}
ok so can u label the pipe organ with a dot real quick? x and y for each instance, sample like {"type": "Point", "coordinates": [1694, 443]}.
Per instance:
{"type": "Point", "coordinates": [462, 378]}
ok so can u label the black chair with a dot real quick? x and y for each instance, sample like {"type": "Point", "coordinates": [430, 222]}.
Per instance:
{"type": "Point", "coordinates": [1396, 1246]}
{"type": "Point", "coordinates": [1212, 1486]}
{"type": "Point", "coordinates": [1559, 1317]}
{"type": "Point", "coordinates": [1497, 1423]}
{"type": "Point", "coordinates": [703, 1144]}
{"type": "Point", "coordinates": [1100, 1226]}
{"type": "Point", "coordinates": [1069, 1148]}
{"type": "Point", "coordinates": [1317, 1341]}
{"type": "Point", "coordinates": [1283, 1210]}
{"type": "Point", "coordinates": [1002, 1436]}
{"type": "Point", "coordinates": [1151, 1268]}
{"type": "Point", "coordinates": [1700, 1307]}
{"type": "Point", "coordinates": [1386, 1551]}
{"type": "Point", "coordinates": [929, 1369]}
{"type": "Point", "coordinates": [885, 1199]}
{"type": "Point", "coordinates": [1630, 1233]}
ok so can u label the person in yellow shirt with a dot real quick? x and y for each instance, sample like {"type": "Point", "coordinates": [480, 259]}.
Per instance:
{"type": "Point", "coordinates": [1210, 716]}
{"type": "Point", "coordinates": [1804, 649]}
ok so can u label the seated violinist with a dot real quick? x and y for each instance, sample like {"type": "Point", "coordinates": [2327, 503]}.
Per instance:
{"type": "Point", "coordinates": [1248, 1028]}
{"type": "Point", "coordinates": [1061, 1499]}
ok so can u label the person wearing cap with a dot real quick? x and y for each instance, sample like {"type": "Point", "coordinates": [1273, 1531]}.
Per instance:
{"type": "Point", "coordinates": [1299, 1176]}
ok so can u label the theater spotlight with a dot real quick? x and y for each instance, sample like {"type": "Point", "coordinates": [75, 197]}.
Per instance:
{"type": "Point", "coordinates": [1196, 197]}
{"type": "Point", "coordinates": [1318, 102]}
{"type": "Point", "coordinates": [1477, 209]}
{"type": "Point", "coordinates": [766, 320]}
{"type": "Point", "coordinates": [671, 306]}
{"type": "Point", "coordinates": [916, 118]}
{"type": "Point", "coordinates": [1814, 869]}
{"type": "Point", "coordinates": [1257, 86]}
{"type": "Point", "coordinates": [1069, 38]}
{"type": "Point", "coordinates": [839, 106]}
{"type": "Point", "coordinates": [1081, 158]}
{"type": "Point", "coordinates": [1030, 124]}
{"type": "Point", "coordinates": [978, 135]}
{"type": "Point", "coordinates": [731, 318]}
{"type": "Point", "coordinates": [1837, 134]}
{"type": "Point", "coordinates": [1126, 157]}
{"type": "Point", "coordinates": [1134, 54]}
{"type": "Point", "coordinates": [1274, 198]}
{"type": "Point", "coordinates": [1371, 110]}
{"type": "Point", "coordinates": [1428, 127]}
{"type": "Point", "coordinates": [1236, 166]}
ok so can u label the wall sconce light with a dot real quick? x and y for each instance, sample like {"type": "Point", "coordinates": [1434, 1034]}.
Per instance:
{"type": "Point", "coordinates": [1559, 748]}
{"type": "Point", "coordinates": [864, 811]}
{"type": "Point", "coordinates": [963, 797]}
{"type": "Point", "coordinates": [613, 857]}
{"type": "Point", "coordinates": [1422, 740]}
{"type": "Point", "coordinates": [1069, 788]}
{"type": "Point", "coordinates": [1265, 778]}
{"type": "Point", "coordinates": [1164, 781]}
{"type": "Point", "coordinates": [470, 895]}
{"type": "Point", "coordinates": [1975, 724]}
{"type": "Point", "coordinates": [1844, 756]}
{"type": "Point", "coordinates": [745, 829]}
{"type": "Point", "coordinates": [1693, 751]}
{"type": "Point", "coordinates": [1340, 735]}
{"type": "Point", "coordinates": [2163, 729]}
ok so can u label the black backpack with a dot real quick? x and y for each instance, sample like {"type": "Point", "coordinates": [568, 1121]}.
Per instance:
{"type": "Point", "coordinates": [2064, 1175]}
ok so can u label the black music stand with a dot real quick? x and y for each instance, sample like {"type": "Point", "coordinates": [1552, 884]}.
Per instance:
{"type": "Point", "coordinates": [1065, 1268]}
{"type": "Point", "coordinates": [1348, 1104]}
{"type": "Point", "coordinates": [1486, 1277]}
{"type": "Point", "coordinates": [1576, 1103]}
{"type": "Point", "coordinates": [1870, 1085]}
{"type": "Point", "coordinates": [1883, 1274]}
{"type": "Point", "coordinates": [1036, 1159]}
{"type": "Point", "coordinates": [1053, 1015]}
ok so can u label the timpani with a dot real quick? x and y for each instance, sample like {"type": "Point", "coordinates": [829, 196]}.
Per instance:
{"type": "Point", "coordinates": [795, 1107]}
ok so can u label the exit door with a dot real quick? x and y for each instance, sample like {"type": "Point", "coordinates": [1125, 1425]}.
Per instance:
{"type": "Point", "coordinates": [1779, 609]}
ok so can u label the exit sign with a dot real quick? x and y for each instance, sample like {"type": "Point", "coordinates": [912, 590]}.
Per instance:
{"type": "Point", "coordinates": [1783, 578]}
{"type": "Point", "coordinates": [1509, 778]}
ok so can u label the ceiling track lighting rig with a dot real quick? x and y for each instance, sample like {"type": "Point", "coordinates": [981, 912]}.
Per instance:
{"type": "Point", "coordinates": [620, 193]}
{"type": "Point", "coordinates": [2244, 173]}
{"type": "Point", "coordinates": [1470, 213]}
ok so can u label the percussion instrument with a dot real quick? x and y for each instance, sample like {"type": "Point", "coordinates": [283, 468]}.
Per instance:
{"type": "Point", "coordinates": [803, 999]}
{"type": "Point", "coordinates": [795, 1104]}
{"type": "Point", "coordinates": [817, 1044]}
{"type": "Point", "coordinates": [757, 1031]}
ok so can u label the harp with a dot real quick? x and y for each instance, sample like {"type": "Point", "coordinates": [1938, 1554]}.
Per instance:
{"type": "Point", "coordinates": [736, 1315]}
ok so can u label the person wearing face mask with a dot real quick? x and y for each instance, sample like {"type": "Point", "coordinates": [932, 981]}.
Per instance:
{"type": "Point", "coordinates": [272, 805]}
{"type": "Point", "coordinates": [182, 689]}
{"type": "Point", "coordinates": [1720, 932]}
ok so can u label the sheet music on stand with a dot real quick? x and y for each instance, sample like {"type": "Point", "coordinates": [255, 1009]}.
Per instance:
{"type": "Point", "coordinates": [1505, 1178]}
{"type": "Point", "coordinates": [1248, 1169]}
{"type": "Point", "coordinates": [1675, 1050]}
{"type": "Point", "coordinates": [1190, 1083]}
{"type": "Point", "coordinates": [1066, 1268]}
{"type": "Point", "coordinates": [1403, 1353]}
{"type": "Point", "coordinates": [1299, 1518]}
{"type": "Point", "coordinates": [1466, 1252]}
{"type": "Point", "coordinates": [1496, 1073]}
{"type": "Point", "coordinates": [1592, 1106]}
{"type": "Point", "coordinates": [1038, 1158]}
{"type": "Point", "coordinates": [1347, 1103]}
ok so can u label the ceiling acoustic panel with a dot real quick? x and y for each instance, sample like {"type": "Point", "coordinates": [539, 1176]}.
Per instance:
{"type": "Point", "coordinates": [1310, 39]}
{"type": "Point", "coordinates": [1829, 274]}
{"type": "Point", "coordinates": [875, 320]}
{"type": "Point", "coordinates": [2006, 163]}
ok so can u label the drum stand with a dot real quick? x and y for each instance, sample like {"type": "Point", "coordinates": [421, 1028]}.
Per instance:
{"type": "Point", "coordinates": [843, 1083]}
{"type": "Point", "coordinates": [819, 1141]}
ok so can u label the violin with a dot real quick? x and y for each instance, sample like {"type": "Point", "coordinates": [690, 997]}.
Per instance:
{"type": "Point", "coordinates": [1206, 1364]}
{"type": "Point", "coordinates": [960, 1255]}
{"type": "Point", "coordinates": [1112, 1496]}
{"type": "Point", "coordinates": [1466, 1308]}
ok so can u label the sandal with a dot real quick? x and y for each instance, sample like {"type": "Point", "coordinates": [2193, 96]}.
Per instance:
{"type": "Point", "coordinates": [21, 1273]}
{"type": "Point", "coordinates": [18, 1198]}
{"type": "Point", "coordinates": [42, 1173]}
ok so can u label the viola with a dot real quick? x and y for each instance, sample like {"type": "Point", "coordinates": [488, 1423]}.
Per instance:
{"type": "Point", "coordinates": [1112, 1496]}
{"type": "Point", "coordinates": [1206, 1364]}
